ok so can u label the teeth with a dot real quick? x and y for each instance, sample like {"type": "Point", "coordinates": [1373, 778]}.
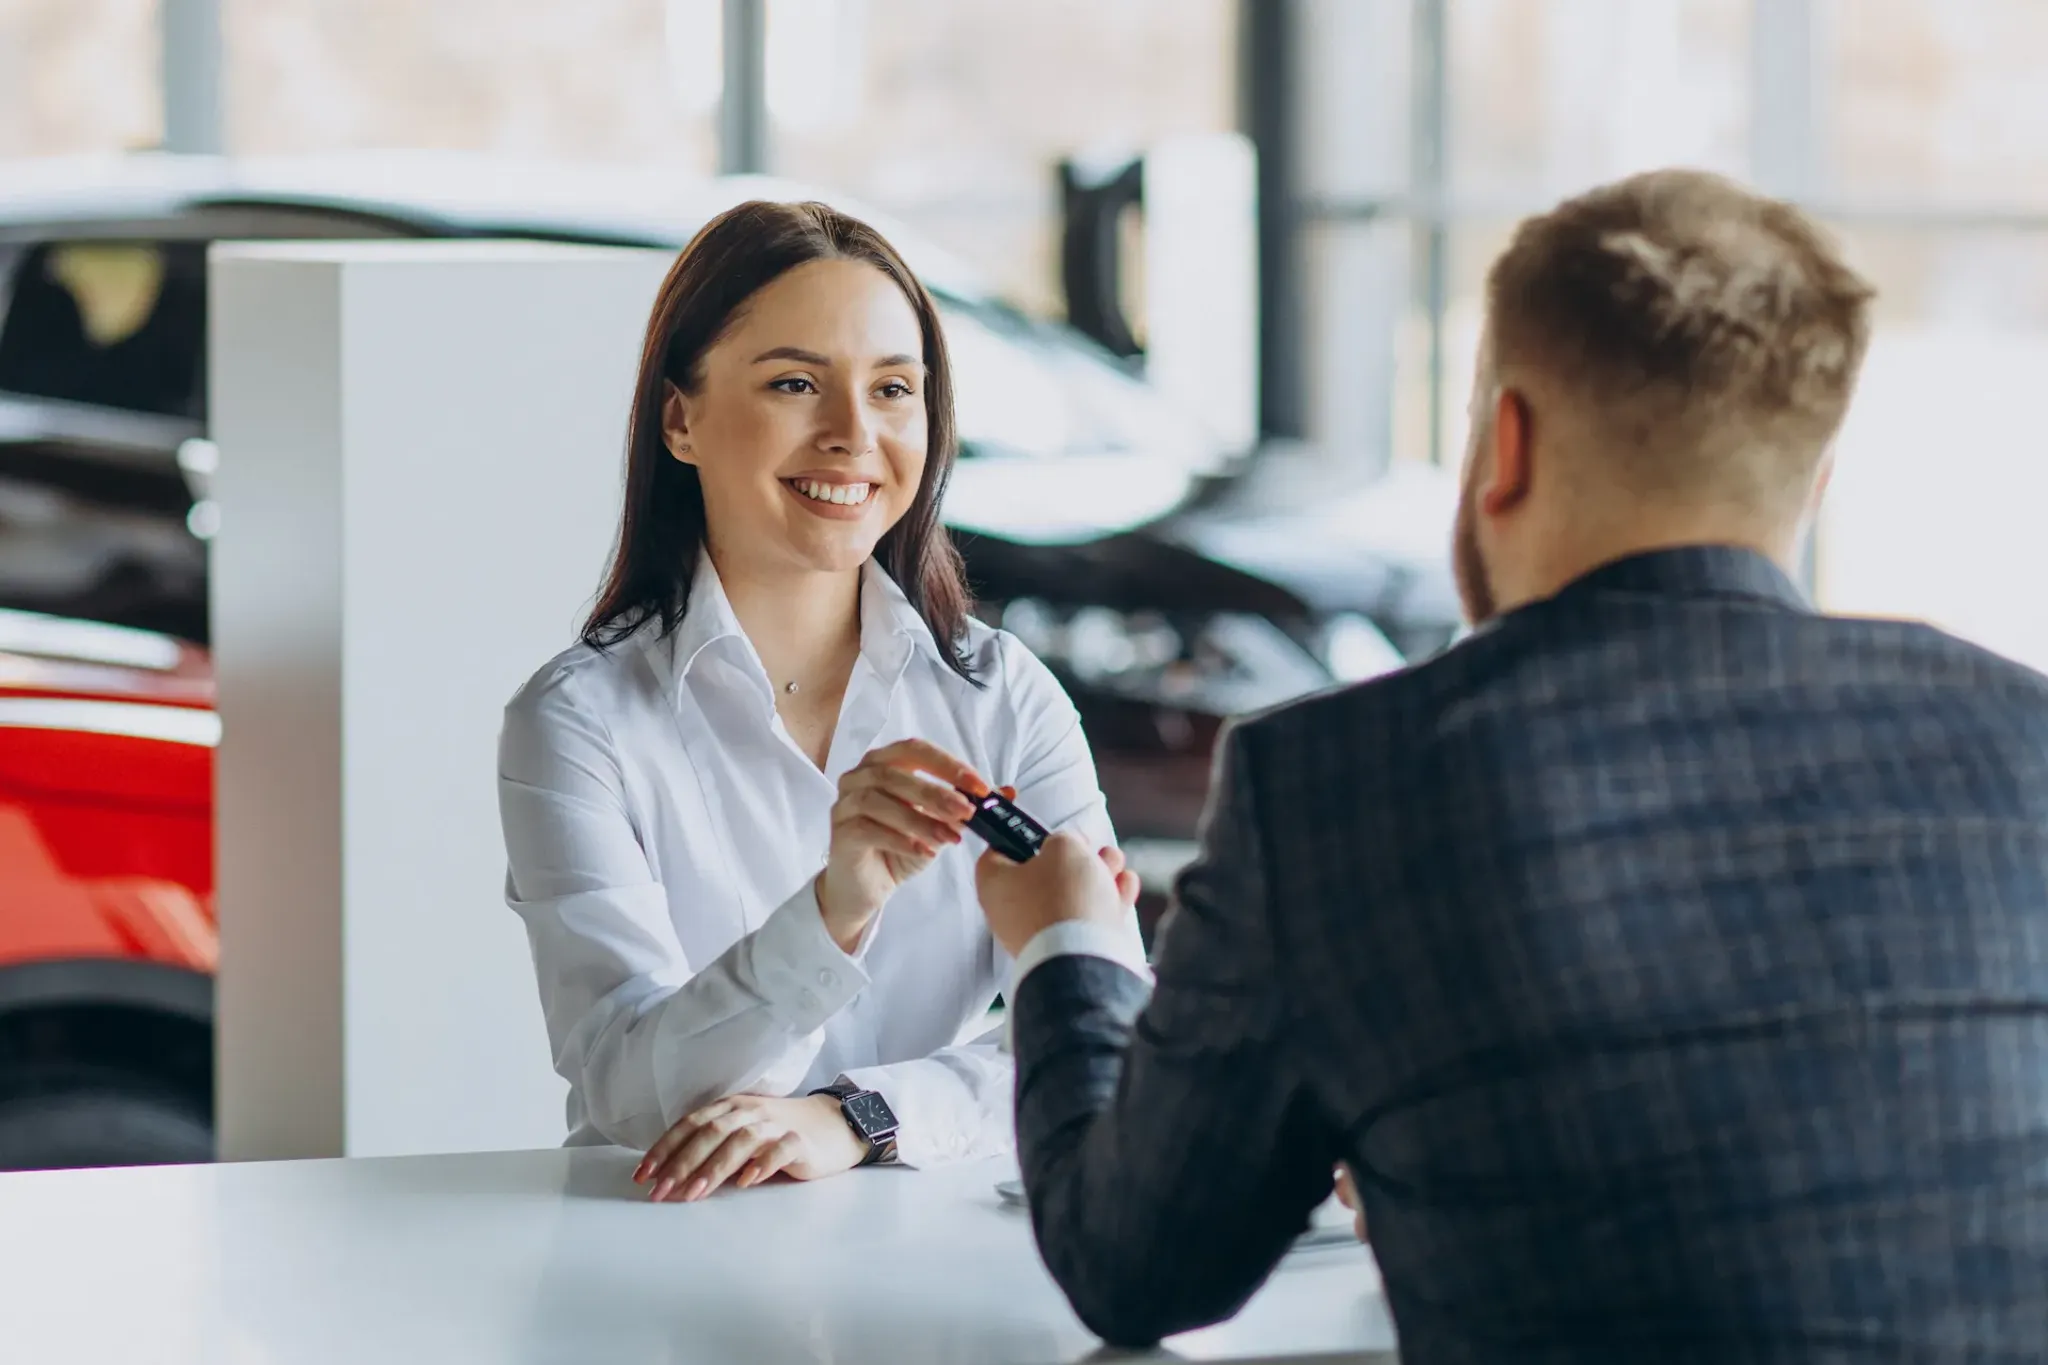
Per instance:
{"type": "Point", "coordinates": [845, 494]}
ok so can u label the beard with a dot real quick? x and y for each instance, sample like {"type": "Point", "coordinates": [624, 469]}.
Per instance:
{"type": "Point", "coordinates": [1468, 563]}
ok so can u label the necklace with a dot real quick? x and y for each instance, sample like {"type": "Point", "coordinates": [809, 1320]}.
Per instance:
{"type": "Point", "coordinates": [790, 688]}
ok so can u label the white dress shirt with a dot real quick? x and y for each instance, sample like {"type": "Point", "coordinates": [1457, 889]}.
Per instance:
{"type": "Point", "coordinates": [663, 834]}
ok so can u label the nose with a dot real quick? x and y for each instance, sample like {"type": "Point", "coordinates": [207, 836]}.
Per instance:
{"type": "Point", "coordinates": [849, 427]}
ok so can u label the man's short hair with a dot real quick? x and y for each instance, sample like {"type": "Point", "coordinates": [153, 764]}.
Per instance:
{"type": "Point", "coordinates": [1713, 335]}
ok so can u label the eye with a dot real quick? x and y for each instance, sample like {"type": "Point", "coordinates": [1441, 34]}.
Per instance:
{"type": "Point", "coordinates": [795, 383]}
{"type": "Point", "coordinates": [895, 388]}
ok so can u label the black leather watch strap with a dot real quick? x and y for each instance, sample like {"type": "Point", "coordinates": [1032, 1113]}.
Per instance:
{"type": "Point", "coordinates": [881, 1149]}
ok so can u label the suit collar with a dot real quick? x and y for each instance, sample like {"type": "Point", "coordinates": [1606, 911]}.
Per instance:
{"type": "Point", "coordinates": [1694, 571]}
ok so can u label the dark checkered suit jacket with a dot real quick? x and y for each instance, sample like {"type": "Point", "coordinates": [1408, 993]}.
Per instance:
{"type": "Point", "coordinates": [1670, 962]}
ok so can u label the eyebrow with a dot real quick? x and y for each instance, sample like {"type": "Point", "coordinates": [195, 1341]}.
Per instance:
{"type": "Point", "coordinates": [803, 357]}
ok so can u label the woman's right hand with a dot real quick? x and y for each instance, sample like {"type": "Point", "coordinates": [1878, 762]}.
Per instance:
{"type": "Point", "coordinates": [888, 825]}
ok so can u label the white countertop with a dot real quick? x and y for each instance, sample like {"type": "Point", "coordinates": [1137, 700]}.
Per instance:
{"type": "Point", "coordinates": [554, 1256]}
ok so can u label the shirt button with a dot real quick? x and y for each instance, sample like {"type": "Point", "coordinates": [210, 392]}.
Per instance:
{"type": "Point", "coordinates": [826, 978]}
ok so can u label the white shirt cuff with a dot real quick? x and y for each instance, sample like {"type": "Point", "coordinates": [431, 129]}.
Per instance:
{"type": "Point", "coordinates": [952, 1106]}
{"type": "Point", "coordinates": [1088, 938]}
{"type": "Point", "coordinates": [798, 969]}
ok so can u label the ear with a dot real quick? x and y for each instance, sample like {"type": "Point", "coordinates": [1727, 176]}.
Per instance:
{"type": "Point", "coordinates": [1513, 465]}
{"type": "Point", "coordinates": [675, 423]}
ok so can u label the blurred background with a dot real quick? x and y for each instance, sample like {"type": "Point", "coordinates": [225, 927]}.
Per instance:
{"type": "Point", "coordinates": [1211, 271]}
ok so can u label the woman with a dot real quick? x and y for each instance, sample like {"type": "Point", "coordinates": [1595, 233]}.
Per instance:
{"type": "Point", "coordinates": [732, 813]}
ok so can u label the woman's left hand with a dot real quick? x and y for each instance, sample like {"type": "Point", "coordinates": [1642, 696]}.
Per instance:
{"type": "Point", "coordinates": [746, 1139]}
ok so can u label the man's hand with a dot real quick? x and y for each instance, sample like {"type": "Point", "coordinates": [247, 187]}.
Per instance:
{"type": "Point", "coordinates": [1066, 881]}
{"type": "Point", "coordinates": [746, 1139]}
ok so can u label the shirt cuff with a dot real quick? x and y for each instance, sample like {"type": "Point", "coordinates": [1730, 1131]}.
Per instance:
{"type": "Point", "coordinates": [950, 1107]}
{"type": "Point", "coordinates": [799, 971]}
{"type": "Point", "coordinates": [1088, 938]}
{"type": "Point", "coordinates": [1121, 944]}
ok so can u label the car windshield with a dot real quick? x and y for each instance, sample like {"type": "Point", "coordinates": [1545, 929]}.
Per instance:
{"type": "Point", "coordinates": [114, 324]}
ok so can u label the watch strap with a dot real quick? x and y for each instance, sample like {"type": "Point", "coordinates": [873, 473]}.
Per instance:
{"type": "Point", "coordinates": [881, 1151]}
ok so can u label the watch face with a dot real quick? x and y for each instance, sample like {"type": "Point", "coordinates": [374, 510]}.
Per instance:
{"type": "Point", "coordinates": [871, 1114]}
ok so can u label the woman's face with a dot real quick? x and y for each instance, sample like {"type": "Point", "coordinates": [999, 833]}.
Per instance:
{"type": "Point", "coordinates": [808, 427]}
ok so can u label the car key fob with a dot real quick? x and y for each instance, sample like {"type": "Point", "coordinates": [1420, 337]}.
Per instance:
{"type": "Point", "coordinates": [1004, 828]}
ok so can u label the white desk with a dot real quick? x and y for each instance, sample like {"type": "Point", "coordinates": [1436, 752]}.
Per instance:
{"type": "Point", "coordinates": [553, 1256]}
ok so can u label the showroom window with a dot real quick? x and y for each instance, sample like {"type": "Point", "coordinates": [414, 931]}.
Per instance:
{"type": "Point", "coordinates": [951, 114]}
{"type": "Point", "coordinates": [1918, 131]}
{"type": "Point", "coordinates": [78, 76]}
{"type": "Point", "coordinates": [1420, 130]}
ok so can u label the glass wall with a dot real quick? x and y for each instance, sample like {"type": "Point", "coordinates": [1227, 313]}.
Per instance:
{"type": "Point", "coordinates": [1545, 98]}
{"type": "Point", "coordinates": [1934, 132]}
{"type": "Point", "coordinates": [78, 76]}
{"type": "Point", "coordinates": [952, 114]}
{"type": "Point", "coordinates": [1917, 130]}
{"type": "Point", "coordinates": [1930, 104]}
{"type": "Point", "coordinates": [1548, 96]}
{"type": "Point", "coordinates": [949, 114]}
{"type": "Point", "coordinates": [532, 78]}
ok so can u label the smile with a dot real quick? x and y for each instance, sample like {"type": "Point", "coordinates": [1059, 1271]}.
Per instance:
{"type": "Point", "coordinates": [839, 494]}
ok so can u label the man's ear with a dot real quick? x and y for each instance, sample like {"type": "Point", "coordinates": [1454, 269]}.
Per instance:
{"type": "Point", "coordinates": [675, 422]}
{"type": "Point", "coordinates": [1513, 469]}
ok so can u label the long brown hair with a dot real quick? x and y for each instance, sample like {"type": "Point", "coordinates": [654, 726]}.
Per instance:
{"type": "Point", "coordinates": [662, 530]}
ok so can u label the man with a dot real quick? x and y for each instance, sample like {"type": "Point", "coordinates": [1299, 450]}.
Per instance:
{"type": "Point", "coordinates": [1668, 963]}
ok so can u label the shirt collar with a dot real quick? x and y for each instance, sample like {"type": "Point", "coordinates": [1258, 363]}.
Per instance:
{"type": "Point", "coordinates": [891, 631]}
{"type": "Point", "coordinates": [1695, 571]}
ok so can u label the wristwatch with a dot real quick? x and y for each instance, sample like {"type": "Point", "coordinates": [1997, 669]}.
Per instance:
{"type": "Point", "coordinates": [870, 1117]}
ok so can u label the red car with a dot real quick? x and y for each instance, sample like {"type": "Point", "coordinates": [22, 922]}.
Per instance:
{"type": "Point", "coordinates": [107, 930]}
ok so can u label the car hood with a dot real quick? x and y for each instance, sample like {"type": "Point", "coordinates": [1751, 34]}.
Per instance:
{"type": "Point", "coordinates": [1380, 547]}
{"type": "Point", "coordinates": [1266, 544]}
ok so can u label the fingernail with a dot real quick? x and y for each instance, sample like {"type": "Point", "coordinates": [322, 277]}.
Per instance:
{"type": "Point", "coordinates": [661, 1189]}
{"type": "Point", "coordinates": [746, 1178]}
{"type": "Point", "coordinates": [696, 1190]}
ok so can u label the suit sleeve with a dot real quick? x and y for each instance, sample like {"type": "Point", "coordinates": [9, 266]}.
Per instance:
{"type": "Point", "coordinates": [1170, 1150]}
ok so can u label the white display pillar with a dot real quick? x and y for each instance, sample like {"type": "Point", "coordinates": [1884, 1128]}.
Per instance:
{"type": "Point", "coordinates": [420, 457]}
